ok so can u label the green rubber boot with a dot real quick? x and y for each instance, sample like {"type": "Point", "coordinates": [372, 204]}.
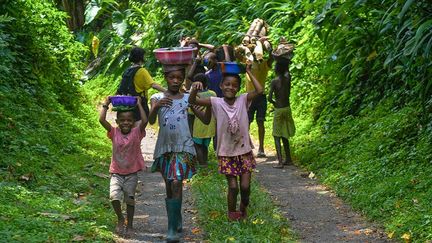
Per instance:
{"type": "Point", "coordinates": [173, 210]}
{"type": "Point", "coordinates": [180, 218]}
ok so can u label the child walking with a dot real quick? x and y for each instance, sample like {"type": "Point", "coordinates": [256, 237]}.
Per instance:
{"type": "Point", "coordinates": [174, 155]}
{"type": "Point", "coordinates": [202, 133]}
{"type": "Point", "coordinates": [234, 146]}
{"type": "Point", "coordinates": [283, 123]}
{"type": "Point", "coordinates": [126, 161]}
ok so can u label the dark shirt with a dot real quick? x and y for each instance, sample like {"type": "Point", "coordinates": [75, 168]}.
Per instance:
{"type": "Point", "coordinates": [215, 77]}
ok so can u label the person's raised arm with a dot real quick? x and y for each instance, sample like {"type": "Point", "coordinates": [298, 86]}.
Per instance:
{"type": "Point", "coordinates": [158, 87]}
{"type": "Point", "coordinates": [258, 88]}
{"type": "Point", "coordinates": [102, 116]}
{"type": "Point", "coordinates": [193, 96]}
{"type": "Point", "coordinates": [207, 46]}
{"type": "Point", "coordinates": [143, 115]}
{"type": "Point", "coordinates": [203, 115]}
{"type": "Point", "coordinates": [192, 69]}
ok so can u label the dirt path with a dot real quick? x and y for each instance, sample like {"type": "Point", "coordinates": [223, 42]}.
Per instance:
{"type": "Point", "coordinates": [315, 213]}
{"type": "Point", "coordinates": [150, 221]}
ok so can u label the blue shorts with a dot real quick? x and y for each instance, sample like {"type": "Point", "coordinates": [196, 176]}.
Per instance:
{"type": "Point", "coordinates": [258, 105]}
{"type": "Point", "coordinates": [202, 141]}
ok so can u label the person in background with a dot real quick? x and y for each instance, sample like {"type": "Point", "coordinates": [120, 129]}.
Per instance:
{"type": "Point", "coordinates": [283, 123]}
{"type": "Point", "coordinates": [142, 81]}
{"type": "Point", "coordinates": [202, 133]}
{"type": "Point", "coordinates": [259, 105]}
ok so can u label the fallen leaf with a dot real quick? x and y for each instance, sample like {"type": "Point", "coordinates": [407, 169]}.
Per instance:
{"type": "Point", "coordinates": [196, 230]}
{"type": "Point", "coordinates": [311, 175]}
{"type": "Point", "coordinates": [406, 237]}
{"type": "Point", "coordinates": [390, 235]}
{"type": "Point", "coordinates": [367, 231]}
{"type": "Point", "coordinates": [101, 175]}
{"type": "Point", "coordinates": [78, 238]}
{"type": "Point", "coordinates": [57, 216]}
{"type": "Point", "coordinates": [27, 177]}
{"type": "Point", "coordinates": [214, 214]}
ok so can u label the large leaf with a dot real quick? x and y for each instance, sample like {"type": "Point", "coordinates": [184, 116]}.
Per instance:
{"type": "Point", "coordinates": [119, 23]}
{"type": "Point", "coordinates": [91, 12]}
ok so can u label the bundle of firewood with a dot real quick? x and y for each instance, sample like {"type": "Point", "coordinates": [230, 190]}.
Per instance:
{"type": "Point", "coordinates": [253, 44]}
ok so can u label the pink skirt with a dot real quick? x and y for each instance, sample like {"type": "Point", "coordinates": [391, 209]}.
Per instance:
{"type": "Point", "coordinates": [237, 165]}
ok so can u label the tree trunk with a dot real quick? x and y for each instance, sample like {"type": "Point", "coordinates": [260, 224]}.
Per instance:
{"type": "Point", "coordinates": [75, 9]}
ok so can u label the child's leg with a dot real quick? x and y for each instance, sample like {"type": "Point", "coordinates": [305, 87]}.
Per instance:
{"type": "Point", "coordinates": [130, 212]}
{"type": "Point", "coordinates": [200, 154]}
{"type": "Point", "coordinates": [278, 152]}
{"type": "Point", "coordinates": [244, 192]}
{"type": "Point", "coordinates": [175, 189]}
{"type": "Point", "coordinates": [173, 206]}
{"type": "Point", "coordinates": [286, 145]}
{"type": "Point", "coordinates": [205, 154]}
{"type": "Point", "coordinates": [116, 195]}
{"type": "Point", "coordinates": [120, 219]}
{"type": "Point", "coordinates": [232, 193]}
{"type": "Point", "coordinates": [129, 187]}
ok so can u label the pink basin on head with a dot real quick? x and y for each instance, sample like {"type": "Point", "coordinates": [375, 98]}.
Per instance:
{"type": "Point", "coordinates": [123, 100]}
{"type": "Point", "coordinates": [174, 55]}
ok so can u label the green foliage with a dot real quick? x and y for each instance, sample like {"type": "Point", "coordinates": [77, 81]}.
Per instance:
{"type": "Point", "coordinates": [124, 25]}
{"type": "Point", "coordinates": [379, 162]}
{"type": "Point", "coordinates": [41, 49]}
{"type": "Point", "coordinates": [50, 146]}
{"type": "Point", "coordinates": [264, 222]}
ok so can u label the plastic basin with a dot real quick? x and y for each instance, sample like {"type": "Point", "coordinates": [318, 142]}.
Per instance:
{"type": "Point", "coordinates": [174, 55]}
{"type": "Point", "coordinates": [123, 100]}
{"type": "Point", "coordinates": [230, 67]}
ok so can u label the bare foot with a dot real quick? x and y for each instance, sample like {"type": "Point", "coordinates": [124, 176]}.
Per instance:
{"type": "Point", "coordinates": [278, 166]}
{"type": "Point", "coordinates": [261, 154]}
{"type": "Point", "coordinates": [130, 232]}
{"type": "Point", "coordinates": [288, 162]}
{"type": "Point", "coordinates": [119, 229]}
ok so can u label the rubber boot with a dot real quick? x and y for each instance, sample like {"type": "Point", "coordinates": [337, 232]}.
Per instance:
{"type": "Point", "coordinates": [180, 220]}
{"type": "Point", "coordinates": [173, 210]}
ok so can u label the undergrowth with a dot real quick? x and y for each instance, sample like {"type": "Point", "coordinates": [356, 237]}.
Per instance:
{"type": "Point", "coordinates": [53, 170]}
{"type": "Point", "coordinates": [379, 161]}
{"type": "Point", "coordinates": [265, 222]}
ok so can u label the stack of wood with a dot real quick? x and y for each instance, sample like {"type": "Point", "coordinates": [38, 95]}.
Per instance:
{"type": "Point", "coordinates": [253, 44]}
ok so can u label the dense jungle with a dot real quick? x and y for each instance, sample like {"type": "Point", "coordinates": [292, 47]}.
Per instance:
{"type": "Point", "coordinates": [361, 99]}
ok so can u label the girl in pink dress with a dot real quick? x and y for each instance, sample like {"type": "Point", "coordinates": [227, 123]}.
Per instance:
{"type": "Point", "coordinates": [234, 146]}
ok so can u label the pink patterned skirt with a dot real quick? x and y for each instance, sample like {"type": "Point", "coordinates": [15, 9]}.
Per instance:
{"type": "Point", "coordinates": [237, 165]}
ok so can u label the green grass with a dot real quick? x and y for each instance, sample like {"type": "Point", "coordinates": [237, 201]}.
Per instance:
{"type": "Point", "coordinates": [264, 224]}
{"type": "Point", "coordinates": [379, 162]}
{"type": "Point", "coordinates": [51, 163]}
